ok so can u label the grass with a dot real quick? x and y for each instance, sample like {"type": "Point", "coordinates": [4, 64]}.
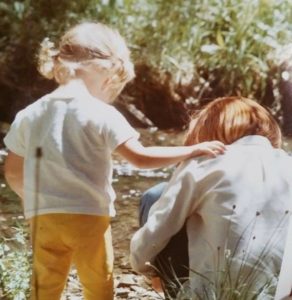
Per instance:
{"type": "Point", "coordinates": [15, 263]}
{"type": "Point", "coordinates": [15, 253]}
{"type": "Point", "coordinates": [238, 275]}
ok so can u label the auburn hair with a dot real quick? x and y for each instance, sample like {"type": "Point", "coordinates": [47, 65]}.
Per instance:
{"type": "Point", "coordinates": [227, 119]}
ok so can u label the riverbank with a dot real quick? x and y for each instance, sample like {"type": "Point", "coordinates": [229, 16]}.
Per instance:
{"type": "Point", "coordinates": [129, 184]}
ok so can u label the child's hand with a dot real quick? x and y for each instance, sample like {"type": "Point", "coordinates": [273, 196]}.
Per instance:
{"type": "Point", "coordinates": [208, 148]}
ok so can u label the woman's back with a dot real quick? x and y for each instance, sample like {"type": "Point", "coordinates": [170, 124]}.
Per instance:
{"type": "Point", "coordinates": [237, 228]}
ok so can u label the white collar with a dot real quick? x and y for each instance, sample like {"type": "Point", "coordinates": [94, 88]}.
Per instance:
{"type": "Point", "coordinates": [257, 140]}
{"type": "Point", "coordinates": [72, 89]}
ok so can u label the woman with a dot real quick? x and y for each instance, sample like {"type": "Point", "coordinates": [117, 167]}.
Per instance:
{"type": "Point", "coordinates": [235, 208]}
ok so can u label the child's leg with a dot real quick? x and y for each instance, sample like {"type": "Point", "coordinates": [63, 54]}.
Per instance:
{"type": "Point", "coordinates": [93, 257]}
{"type": "Point", "coordinates": [52, 258]}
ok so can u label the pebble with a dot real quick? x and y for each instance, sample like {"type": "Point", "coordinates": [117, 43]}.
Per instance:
{"type": "Point", "coordinates": [127, 280]}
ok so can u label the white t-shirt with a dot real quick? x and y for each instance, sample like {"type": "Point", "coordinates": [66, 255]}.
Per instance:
{"type": "Point", "coordinates": [236, 207]}
{"type": "Point", "coordinates": [77, 134]}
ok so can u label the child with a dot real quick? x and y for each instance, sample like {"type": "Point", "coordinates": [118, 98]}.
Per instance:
{"type": "Point", "coordinates": [62, 144]}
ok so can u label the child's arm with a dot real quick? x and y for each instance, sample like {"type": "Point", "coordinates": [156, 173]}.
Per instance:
{"type": "Point", "coordinates": [13, 170]}
{"type": "Point", "coordinates": [157, 157]}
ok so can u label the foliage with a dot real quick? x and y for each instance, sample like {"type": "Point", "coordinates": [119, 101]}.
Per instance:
{"type": "Point", "coordinates": [15, 253]}
{"type": "Point", "coordinates": [15, 263]}
{"type": "Point", "coordinates": [220, 45]}
{"type": "Point", "coordinates": [209, 48]}
{"type": "Point", "coordinates": [23, 25]}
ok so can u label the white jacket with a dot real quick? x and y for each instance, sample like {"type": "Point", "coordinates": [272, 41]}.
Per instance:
{"type": "Point", "coordinates": [236, 208]}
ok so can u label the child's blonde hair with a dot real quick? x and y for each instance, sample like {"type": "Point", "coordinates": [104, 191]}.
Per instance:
{"type": "Point", "coordinates": [83, 45]}
{"type": "Point", "coordinates": [229, 118]}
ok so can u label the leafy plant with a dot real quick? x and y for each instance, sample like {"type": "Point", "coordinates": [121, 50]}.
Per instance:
{"type": "Point", "coordinates": [219, 47]}
{"type": "Point", "coordinates": [15, 263]}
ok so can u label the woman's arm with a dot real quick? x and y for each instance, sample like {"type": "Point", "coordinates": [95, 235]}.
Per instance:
{"type": "Point", "coordinates": [167, 216]}
{"type": "Point", "coordinates": [13, 170]}
{"type": "Point", "coordinates": [157, 157]}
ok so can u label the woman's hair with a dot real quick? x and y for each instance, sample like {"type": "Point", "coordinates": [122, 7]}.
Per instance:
{"type": "Point", "coordinates": [83, 45]}
{"type": "Point", "coordinates": [229, 118]}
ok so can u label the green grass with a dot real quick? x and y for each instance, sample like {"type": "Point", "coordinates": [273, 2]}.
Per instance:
{"type": "Point", "coordinates": [15, 252]}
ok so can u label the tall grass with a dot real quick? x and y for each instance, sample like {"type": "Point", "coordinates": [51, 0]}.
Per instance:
{"type": "Point", "coordinates": [238, 274]}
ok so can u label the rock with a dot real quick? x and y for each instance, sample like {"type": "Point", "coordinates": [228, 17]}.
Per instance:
{"type": "Point", "coordinates": [127, 280]}
{"type": "Point", "coordinates": [122, 292]}
{"type": "Point", "coordinates": [138, 289]}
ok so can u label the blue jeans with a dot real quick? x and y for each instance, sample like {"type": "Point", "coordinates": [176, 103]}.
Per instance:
{"type": "Point", "coordinates": [173, 261]}
{"type": "Point", "coordinates": [148, 199]}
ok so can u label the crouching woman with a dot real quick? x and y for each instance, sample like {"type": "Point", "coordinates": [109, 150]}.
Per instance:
{"type": "Point", "coordinates": [219, 226]}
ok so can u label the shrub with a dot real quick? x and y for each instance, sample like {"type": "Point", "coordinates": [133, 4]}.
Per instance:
{"type": "Point", "coordinates": [221, 46]}
{"type": "Point", "coordinates": [208, 48]}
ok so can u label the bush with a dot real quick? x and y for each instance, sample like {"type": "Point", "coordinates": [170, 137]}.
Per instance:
{"type": "Point", "coordinates": [24, 24]}
{"type": "Point", "coordinates": [207, 48]}
{"type": "Point", "coordinates": [220, 46]}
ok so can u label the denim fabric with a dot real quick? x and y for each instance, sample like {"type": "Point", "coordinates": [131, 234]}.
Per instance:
{"type": "Point", "coordinates": [148, 199]}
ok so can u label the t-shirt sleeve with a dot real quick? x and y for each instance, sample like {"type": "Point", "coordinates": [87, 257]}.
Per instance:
{"type": "Point", "coordinates": [14, 139]}
{"type": "Point", "coordinates": [117, 129]}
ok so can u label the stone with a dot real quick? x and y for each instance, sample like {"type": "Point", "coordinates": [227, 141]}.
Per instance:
{"type": "Point", "coordinates": [127, 280]}
{"type": "Point", "coordinates": [122, 292]}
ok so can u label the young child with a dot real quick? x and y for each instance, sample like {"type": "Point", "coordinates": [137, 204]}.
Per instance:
{"type": "Point", "coordinates": [60, 163]}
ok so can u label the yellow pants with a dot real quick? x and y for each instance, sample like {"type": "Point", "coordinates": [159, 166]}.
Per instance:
{"type": "Point", "coordinates": [61, 239]}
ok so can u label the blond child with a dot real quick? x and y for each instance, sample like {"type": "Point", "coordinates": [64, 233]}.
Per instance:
{"type": "Point", "coordinates": [60, 163]}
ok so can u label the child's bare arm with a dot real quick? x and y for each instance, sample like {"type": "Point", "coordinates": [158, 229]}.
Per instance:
{"type": "Point", "coordinates": [157, 157]}
{"type": "Point", "coordinates": [13, 170]}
